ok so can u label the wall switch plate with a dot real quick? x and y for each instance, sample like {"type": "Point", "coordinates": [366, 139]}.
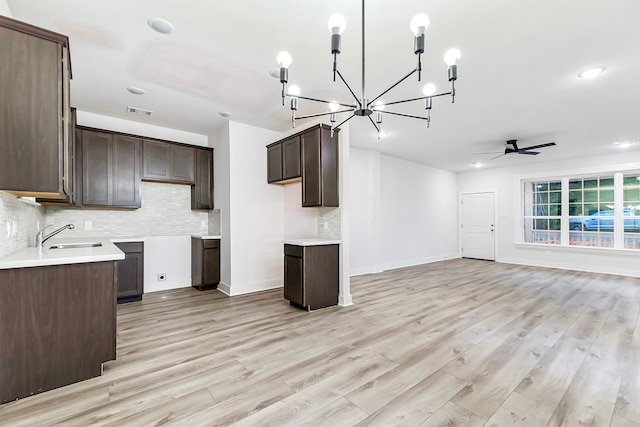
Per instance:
{"type": "Point", "coordinates": [162, 277]}
{"type": "Point", "coordinates": [203, 224]}
{"type": "Point", "coordinates": [88, 225]}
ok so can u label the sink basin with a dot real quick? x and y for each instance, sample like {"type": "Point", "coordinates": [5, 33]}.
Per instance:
{"type": "Point", "coordinates": [76, 245]}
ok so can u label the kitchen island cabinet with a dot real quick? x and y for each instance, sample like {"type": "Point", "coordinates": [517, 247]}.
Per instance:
{"type": "Point", "coordinates": [34, 111]}
{"type": "Point", "coordinates": [57, 317]}
{"type": "Point", "coordinates": [311, 273]}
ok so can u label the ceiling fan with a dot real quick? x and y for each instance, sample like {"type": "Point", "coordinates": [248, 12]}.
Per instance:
{"type": "Point", "coordinates": [512, 147]}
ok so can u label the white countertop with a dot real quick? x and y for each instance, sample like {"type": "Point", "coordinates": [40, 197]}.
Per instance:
{"type": "Point", "coordinates": [198, 236]}
{"type": "Point", "coordinates": [311, 242]}
{"type": "Point", "coordinates": [126, 239]}
{"type": "Point", "coordinates": [39, 257]}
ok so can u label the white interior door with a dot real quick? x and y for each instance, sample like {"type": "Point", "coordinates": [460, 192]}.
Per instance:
{"type": "Point", "coordinates": [478, 226]}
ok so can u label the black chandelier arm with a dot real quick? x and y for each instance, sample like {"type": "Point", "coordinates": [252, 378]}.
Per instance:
{"type": "Point", "coordinates": [405, 115]}
{"type": "Point", "coordinates": [345, 121]}
{"type": "Point", "coordinates": [349, 87]}
{"type": "Point", "coordinates": [374, 124]}
{"type": "Point", "coordinates": [309, 116]}
{"type": "Point", "coordinates": [417, 99]}
{"type": "Point", "coordinates": [394, 85]}
{"type": "Point", "coordinates": [351, 107]}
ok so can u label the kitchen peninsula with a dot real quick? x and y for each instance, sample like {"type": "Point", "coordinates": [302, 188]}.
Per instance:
{"type": "Point", "coordinates": [57, 315]}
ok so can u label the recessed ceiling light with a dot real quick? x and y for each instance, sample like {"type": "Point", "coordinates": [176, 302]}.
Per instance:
{"type": "Point", "coordinates": [275, 73]}
{"type": "Point", "coordinates": [382, 135]}
{"type": "Point", "coordinates": [161, 25]}
{"type": "Point", "coordinates": [477, 164]}
{"type": "Point", "coordinates": [591, 73]}
{"type": "Point", "coordinates": [136, 90]}
{"type": "Point", "coordinates": [625, 143]}
{"type": "Point", "coordinates": [225, 113]}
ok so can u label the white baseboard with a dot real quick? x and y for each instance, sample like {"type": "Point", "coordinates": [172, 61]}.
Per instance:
{"type": "Point", "coordinates": [224, 288]}
{"type": "Point", "coordinates": [418, 261]}
{"type": "Point", "coordinates": [345, 300]}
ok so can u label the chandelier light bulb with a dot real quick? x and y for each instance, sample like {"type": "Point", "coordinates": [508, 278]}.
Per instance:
{"type": "Point", "coordinates": [284, 59]}
{"type": "Point", "coordinates": [334, 106]}
{"type": "Point", "coordinates": [429, 89]}
{"type": "Point", "coordinates": [293, 91]}
{"type": "Point", "coordinates": [378, 106]}
{"type": "Point", "coordinates": [419, 24]}
{"type": "Point", "coordinates": [451, 57]}
{"type": "Point", "coordinates": [337, 24]}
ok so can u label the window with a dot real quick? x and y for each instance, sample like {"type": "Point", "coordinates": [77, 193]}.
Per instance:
{"type": "Point", "coordinates": [631, 210]}
{"type": "Point", "coordinates": [543, 212]}
{"type": "Point", "coordinates": [593, 211]}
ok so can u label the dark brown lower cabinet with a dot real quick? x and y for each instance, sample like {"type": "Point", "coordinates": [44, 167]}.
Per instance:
{"type": "Point", "coordinates": [312, 275]}
{"type": "Point", "coordinates": [130, 272]}
{"type": "Point", "coordinates": [205, 263]}
{"type": "Point", "coordinates": [57, 326]}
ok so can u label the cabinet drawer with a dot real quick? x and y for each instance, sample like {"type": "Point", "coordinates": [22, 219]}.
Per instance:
{"type": "Point", "coordinates": [210, 243]}
{"type": "Point", "coordinates": [293, 250]}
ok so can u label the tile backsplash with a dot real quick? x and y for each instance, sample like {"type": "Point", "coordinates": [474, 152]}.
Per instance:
{"type": "Point", "coordinates": [329, 223]}
{"type": "Point", "coordinates": [18, 223]}
{"type": "Point", "coordinates": [166, 211]}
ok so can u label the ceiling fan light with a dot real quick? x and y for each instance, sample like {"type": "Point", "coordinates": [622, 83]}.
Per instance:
{"type": "Point", "coordinates": [419, 24]}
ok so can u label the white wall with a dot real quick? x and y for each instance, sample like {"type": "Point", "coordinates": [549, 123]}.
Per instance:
{"type": "Point", "coordinates": [299, 222]}
{"type": "Point", "coordinates": [137, 128]}
{"type": "Point", "coordinates": [506, 182]}
{"type": "Point", "coordinates": [4, 9]}
{"type": "Point", "coordinates": [222, 200]}
{"type": "Point", "coordinates": [418, 213]}
{"type": "Point", "coordinates": [170, 255]}
{"type": "Point", "coordinates": [256, 213]}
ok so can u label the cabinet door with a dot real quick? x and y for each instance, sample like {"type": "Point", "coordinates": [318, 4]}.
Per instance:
{"type": "Point", "coordinates": [211, 266]}
{"type": "Point", "coordinates": [311, 169]}
{"type": "Point", "coordinates": [293, 283]}
{"type": "Point", "coordinates": [182, 164]}
{"type": "Point", "coordinates": [30, 113]}
{"type": "Point", "coordinates": [202, 190]}
{"type": "Point", "coordinates": [156, 157]}
{"type": "Point", "coordinates": [330, 193]}
{"type": "Point", "coordinates": [291, 158]}
{"type": "Point", "coordinates": [274, 163]}
{"type": "Point", "coordinates": [97, 180]}
{"type": "Point", "coordinates": [129, 275]}
{"type": "Point", "coordinates": [127, 161]}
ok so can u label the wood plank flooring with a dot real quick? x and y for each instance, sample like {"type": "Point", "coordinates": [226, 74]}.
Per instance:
{"type": "Point", "coordinates": [454, 343]}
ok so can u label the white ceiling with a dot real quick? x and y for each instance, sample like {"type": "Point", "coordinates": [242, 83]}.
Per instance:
{"type": "Point", "coordinates": [517, 75]}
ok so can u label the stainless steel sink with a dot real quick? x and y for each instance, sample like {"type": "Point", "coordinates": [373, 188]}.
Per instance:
{"type": "Point", "coordinates": [76, 245]}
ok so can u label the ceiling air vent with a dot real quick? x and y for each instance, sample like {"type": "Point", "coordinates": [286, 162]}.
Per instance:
{"type": "Point", "coordinates": [139, 111]}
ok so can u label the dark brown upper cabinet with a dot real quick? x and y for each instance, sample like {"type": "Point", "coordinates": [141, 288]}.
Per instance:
{"type": "Point", "coordinates": [310, 156]}
{"type": "Point", "coordinates": [168, 162]}
{"type": "Point", "coordinates": [283, 161]}
{"type": "Point", "coordinates": [202, 190]}
{"type": "Point", "coordinates": [34, 111]}
{"type": "Point", "coordinates": [111, 165]}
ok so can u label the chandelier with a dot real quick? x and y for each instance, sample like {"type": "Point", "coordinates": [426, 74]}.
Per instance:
{"type": "Point", "coordinates": [363, 106]}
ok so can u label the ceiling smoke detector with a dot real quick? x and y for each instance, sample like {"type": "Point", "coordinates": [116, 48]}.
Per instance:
{"type": "Point", "coordinates": [139, 111]}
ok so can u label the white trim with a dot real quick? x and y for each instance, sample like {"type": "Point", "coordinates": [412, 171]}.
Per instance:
{"type": "Point", "coordinates": [224, 288]}
{"type": "Point", "coordinates": [573, 248]}
{"type": "Point", "coordinates": [345, 300]}
{"type": "Point", "coordinates": [418, 261]}
{"type": "Point", "coordinates": [365, 270]}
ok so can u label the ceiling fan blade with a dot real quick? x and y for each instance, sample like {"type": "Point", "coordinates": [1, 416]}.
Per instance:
{"type": "Point", "coordinates": [503, 154]}
{"type": "Point", "coordinates": [532, 147]}
{"type": "Point", "coordinates": [487, 152]}
{"type": "Point", "coordinates": [533, 153]}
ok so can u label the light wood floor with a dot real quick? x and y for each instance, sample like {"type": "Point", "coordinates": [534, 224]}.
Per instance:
{"type": "Point", "coordinates": [454, 343]}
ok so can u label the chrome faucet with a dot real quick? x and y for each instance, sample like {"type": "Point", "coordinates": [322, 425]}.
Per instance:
{"type": "Point", "coordinates": [41, 238]}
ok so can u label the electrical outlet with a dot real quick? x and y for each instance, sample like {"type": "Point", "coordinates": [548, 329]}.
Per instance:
{"type": "Point", "coordinates": [203, 224]}
{"type": "Point", "coordinates": [14, 232]}
{"type": "Point", "coordinates": [162, 277]}
{"type": "Point", "coordinates": [88, 225]}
